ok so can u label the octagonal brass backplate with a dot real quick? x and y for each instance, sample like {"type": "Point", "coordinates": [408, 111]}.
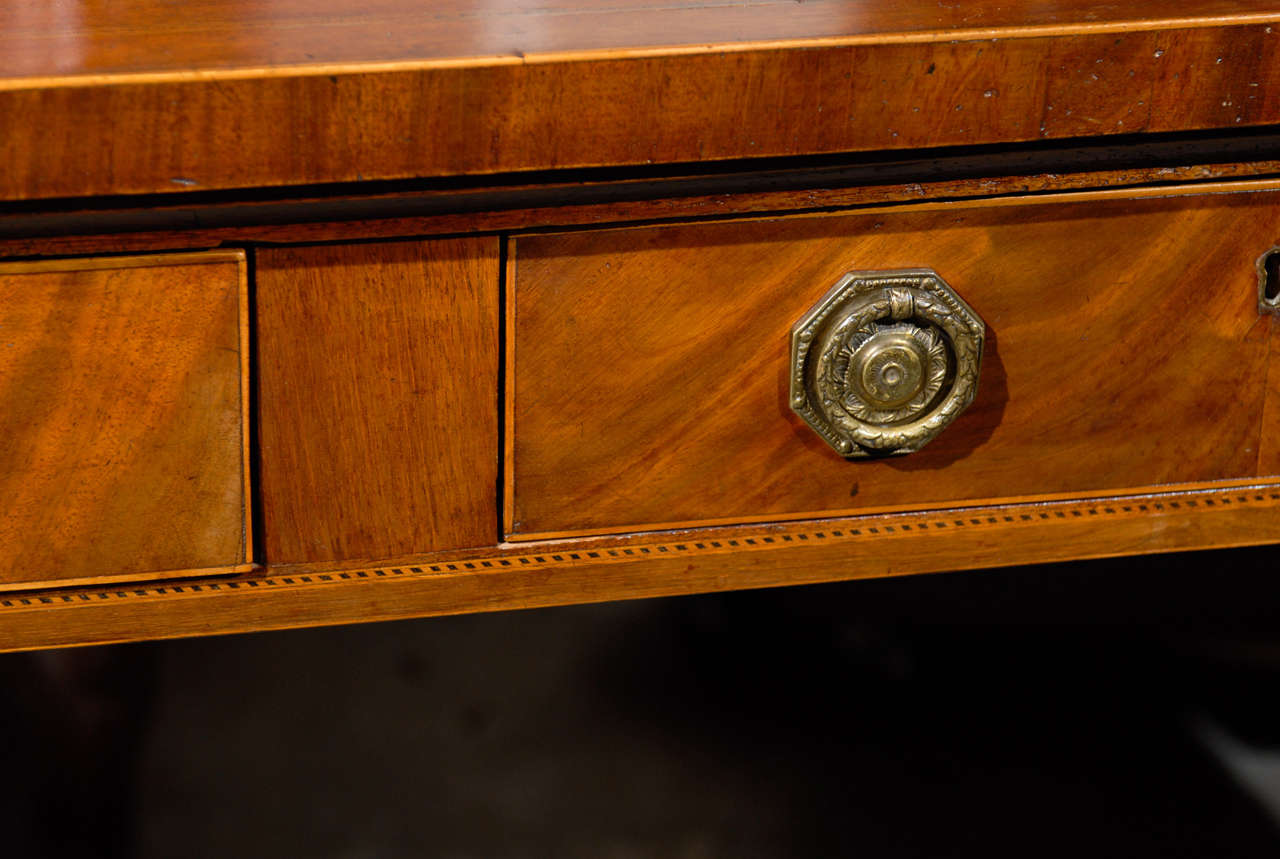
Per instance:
{"type": "Point", "coordinates": [885, 361]}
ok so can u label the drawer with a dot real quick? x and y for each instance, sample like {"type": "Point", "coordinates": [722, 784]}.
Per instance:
{"type": "Point", "coordinates": [649, 368]}
{"type": "Point", "coordinates": [123, 409]}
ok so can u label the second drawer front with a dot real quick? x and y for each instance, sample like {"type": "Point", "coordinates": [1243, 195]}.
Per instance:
{"type": "Point", "coordinates": [648, 368]}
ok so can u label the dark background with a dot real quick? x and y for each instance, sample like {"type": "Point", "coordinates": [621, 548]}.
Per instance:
{"type": "Point", "coordinates": [1113, 708]}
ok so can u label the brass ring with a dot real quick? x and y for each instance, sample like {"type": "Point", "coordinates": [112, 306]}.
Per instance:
{"type": "Point", "coordinates": [885, 361]}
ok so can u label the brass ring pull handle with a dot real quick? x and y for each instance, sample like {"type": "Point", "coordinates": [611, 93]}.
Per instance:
{"type": "Point", "coordinates": [885, 361]}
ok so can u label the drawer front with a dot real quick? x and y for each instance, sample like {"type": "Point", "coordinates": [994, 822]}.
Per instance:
{"type": "Point", "coordinates": [648, 368]}
{"type": "Point", "coordinates": [123, 418]}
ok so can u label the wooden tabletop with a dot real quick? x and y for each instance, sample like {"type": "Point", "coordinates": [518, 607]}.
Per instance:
{"type": "Point", "coordinates": [158, 96]}
{"type": "Point", "coordinates": [46, 38]}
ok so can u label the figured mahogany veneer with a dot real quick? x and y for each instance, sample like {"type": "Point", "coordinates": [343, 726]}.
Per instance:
{"type": "Point", "coordinates": [435, 434]}
{"type": "Point", "coordinates": [648, 368]}
{"type": "Point", "coordinates": [123, 418]}
{"type": "Point", "coordinates": [241, 95]}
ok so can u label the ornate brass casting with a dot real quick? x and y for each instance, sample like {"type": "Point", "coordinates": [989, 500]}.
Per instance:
{"type": "Point", "coordinates": [885, 361]}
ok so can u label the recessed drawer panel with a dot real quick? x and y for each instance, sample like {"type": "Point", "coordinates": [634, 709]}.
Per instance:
{"type": "Point", "coordinates": [122, 418]}
{"type": "Point", "coordinates": [649, 380]}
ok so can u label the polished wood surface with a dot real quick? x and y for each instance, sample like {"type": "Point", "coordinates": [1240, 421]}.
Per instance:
{"type": "Point", "coordinates": [371, 159]}
{"type": "Point", "coordinates": [378, 374]}
{"type": "Point", "coordinates": [222, 114]}
{"type": "Point", "coordinates": [590, 570]}
{"type": "Point", "coordinates": [41, 39]}
{"type": "Point", "coordinates": [649, 367]}
{"type": "Point", "coordinates": [1269, 449]}
{"type": "Point", "coordinates": [123, 407]}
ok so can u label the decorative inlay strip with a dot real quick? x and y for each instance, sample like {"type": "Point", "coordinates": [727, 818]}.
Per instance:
{"type": "Point", "coordinates": [701, 542]}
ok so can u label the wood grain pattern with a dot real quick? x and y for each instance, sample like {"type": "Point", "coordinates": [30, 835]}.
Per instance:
{"type": "Point", "coordinates": [1269, 448]}
{"type": "Point", "coordinates": [41, 39]}
{"type": "Point", "coordinates": [1125, 349]}
{"type": "Point", "coordinates": [79, 136]}
{"type": "Point", "coordinates": [589, 570]}
{"type": "Point", "coordinates": [649, 377]}
{"type": "Point", "coordinates": [378, 398]}
{"type": "Point", "coordinates": [123, 450]}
